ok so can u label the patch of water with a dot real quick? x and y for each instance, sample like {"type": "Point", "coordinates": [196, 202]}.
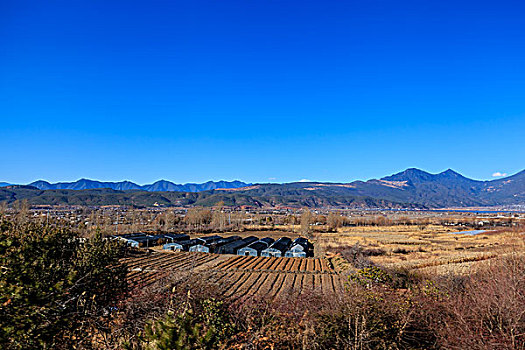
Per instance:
{"type": "Point", "coordinates": [468, 233]}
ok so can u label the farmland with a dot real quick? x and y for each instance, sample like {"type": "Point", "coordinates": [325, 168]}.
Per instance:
{"type": "Point", "coordinates": [238, 276]}
{"type": "Point", "coordinates": [431, 249]}
{"type": "Point", "coordinates": [148, 268]}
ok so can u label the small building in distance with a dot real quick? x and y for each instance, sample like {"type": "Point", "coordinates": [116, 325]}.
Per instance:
{"type": "Point", "coordinates": [203, 243]}
{"type": "Point", "coordinates": [199, 248]}
{"type": "Point", "coordinates": [278, 248]}
{"type": "Point", "coordinates": [144, 240]}
{"type": "Point", "coordinates": [233, 247]}
{"type": "Point", "coordinates": [213, 247]}
{"type": "Point", "coordinates": [182, 245]}
{"type": "Point", "coordinates": [300, 248]}
{"type": "Point", "coordinates": [157, 239]}
{"type": "Point", "coordinates": [256, 248]}
{"type": "Point", "coordinates": [210, 239]}
{"type": "Point", "coordinates": [137, 239]}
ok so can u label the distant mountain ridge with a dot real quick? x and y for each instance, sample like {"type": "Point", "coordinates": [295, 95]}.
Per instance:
{"type": "Point", "coordinates": [412, 188]}
{"type": "Point", "coordinates": [159, 186]}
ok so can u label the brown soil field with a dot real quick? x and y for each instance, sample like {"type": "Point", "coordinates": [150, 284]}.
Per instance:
{"type": "Point", "coordinates": [263, 264]}
{"type": "Point", "coordinates": [238, 276]}
{"type": "Point", "coordinates": [152, 266]}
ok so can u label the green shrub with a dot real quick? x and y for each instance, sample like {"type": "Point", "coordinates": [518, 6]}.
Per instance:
{"type": "Point", "coordinates": [370, 275]}
{"type": "Point", "coordinates": [54, 287]}
{"type": "Point", "coordinates": [209, 328]}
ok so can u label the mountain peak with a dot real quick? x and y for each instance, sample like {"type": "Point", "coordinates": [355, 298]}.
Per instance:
{"type": "Point", "coordinates": [412, 175]}
{"type": "Point", "coordinates": [162, 182]}
{"type": "Point", "coordinates": [450, 172]}
{"type": "Point", "coordinates": [40, 181]}
{"type": "Point", "coordinates": [414, 171]}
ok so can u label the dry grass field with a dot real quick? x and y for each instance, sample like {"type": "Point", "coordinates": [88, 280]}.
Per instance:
{"type": "Point", "coordinates": [430, 248]}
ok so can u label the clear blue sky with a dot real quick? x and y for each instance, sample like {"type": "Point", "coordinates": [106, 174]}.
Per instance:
{"type": "Point", "coordinates": [261, 91]}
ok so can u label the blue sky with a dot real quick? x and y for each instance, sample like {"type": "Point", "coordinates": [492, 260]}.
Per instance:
{"type": "Point", "coordinates": [261, 91]}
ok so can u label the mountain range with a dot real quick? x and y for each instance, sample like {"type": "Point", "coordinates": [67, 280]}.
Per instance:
{"type": "Point", "coordinates": [412, 188]}
{"type": "Point", "coordinates": [159, 186]}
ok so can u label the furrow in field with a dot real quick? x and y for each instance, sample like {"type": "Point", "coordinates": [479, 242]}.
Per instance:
{"type": "Point", "coordinates": [248, 288]}
{"type": "Point", "coordinates": [228, 262]}
{"type": "Point", "coordinates": [277, 286]}
{"type": "Point", "coordinates": [289, 262]}
{"type": "Point", "coordinates": [273, 263]}
{"type": "Point", "coordinates": [282, 263]}
{"type": "Point", "coordinates": [326, 284]}
{"type": "Point", "coordinates": [260, 264]}
{"type": "Point", "coordinates": [230, 280]}
{"type": "Point", "coordinates": [236, 262]}
{"type": "Point", "coordinates": [266, 264]}
{"type": "Point", "coordinates": [318, 283]}
{"type": "Point", "coordinates": [295, 265]}
{"type": "Point", "coordinates": [258, 286]}
{"type": "Point", "coordinates": [309, 265]}
{"type": "Point", "coordinates": [254, 262]}
{"type": "Point", "coordinates": [302, 264]}
{"type": "Point", "coordinates": [245, 262]}
{"type": "Point", "coordinates": [151, 263]}
{"type": "Point", "coordinates": [268, 284]}
{"type": "Point", "coordinates": [149, 260]}
{"type": "Point", "coordinates": [317, 266]}
{"type": "Point", "coordinates": [237, 285]}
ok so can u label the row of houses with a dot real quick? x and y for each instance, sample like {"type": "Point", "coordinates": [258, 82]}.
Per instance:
{"type": "Point", "coordinates": [144, 240]}
{"type": "Point", "coordinates": [248, 246]}
{"type": "Point", "coordinates": [284, 246]}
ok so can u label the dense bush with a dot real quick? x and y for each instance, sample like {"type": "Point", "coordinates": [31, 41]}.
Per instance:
{"type": "Point", "coordinates": [55, 289]}
{"type": "Point", "coordinates": [204, 327]}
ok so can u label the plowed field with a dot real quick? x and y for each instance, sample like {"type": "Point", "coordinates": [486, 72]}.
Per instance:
{"type": "Point", "coordinates": [240, 276]}
{"type": "Point", "coordinates": [259, 264]}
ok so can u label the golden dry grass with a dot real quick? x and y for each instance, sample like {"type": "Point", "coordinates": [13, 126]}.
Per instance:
{"type": "Point", "coordinates": [426, 249]}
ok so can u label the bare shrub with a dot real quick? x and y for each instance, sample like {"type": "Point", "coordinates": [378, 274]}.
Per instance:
{"type": "Point", "coordinates": [400, 251]}
{"type": "Point", "coordinates": [355, 255]}
{"type": "Point", "coordinates": [485, 310]}
{"type": "Point", "coordinates": [374, 252]}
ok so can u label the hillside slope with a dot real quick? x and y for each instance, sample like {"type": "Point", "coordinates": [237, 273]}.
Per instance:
{"type": "Point", "coordinates": [412, 188]}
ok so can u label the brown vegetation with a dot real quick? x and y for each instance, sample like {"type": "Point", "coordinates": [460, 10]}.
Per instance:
{"type": "Point", "coordinates": [377, 282]}
{"type": "Point", "coordinates": [374, 309]}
